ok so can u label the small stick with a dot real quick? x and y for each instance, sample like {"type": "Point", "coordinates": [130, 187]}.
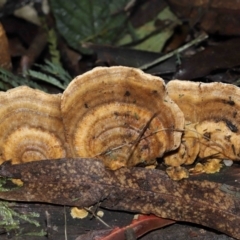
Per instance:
{"type": "Point", "coordinates": [139, 138]}
{"type": "Point", "coordinates": [200, 38]}
{"type": "Point", "coordinates": [107, 152]}
{"type": "Point", "coordinates": [65, 223]}
{"type": "Point", "coordinates": [97, 217]}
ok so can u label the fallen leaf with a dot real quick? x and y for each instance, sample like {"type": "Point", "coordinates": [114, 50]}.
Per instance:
{"type": "Point", "coordinates": [84, 182]}
{"type": "Point", "coordinates": [138, 227]}
{"type": "Point", "coordinates": [133, 58]}
{"type": "Point", "coordinates": [214, 16]}
{"type": "Point", "coordinates": [221, 56]}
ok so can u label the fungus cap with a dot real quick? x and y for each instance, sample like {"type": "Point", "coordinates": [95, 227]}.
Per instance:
{"type": "Point", "coordinates": [31, 126]}
{"type": "Point", "coordinates": [215, 109]}
{"type": "Point", "coordinates": [120, 115]}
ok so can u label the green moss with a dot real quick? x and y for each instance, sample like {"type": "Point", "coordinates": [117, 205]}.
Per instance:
{"type": "Point", "coordinates": [10, 219]}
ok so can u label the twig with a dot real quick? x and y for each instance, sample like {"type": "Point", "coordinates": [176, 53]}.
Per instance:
{"type": "Point", "coordinates": [97, 217]}
{"type": "Point", "coordinates": [35, 49]}
{"type": "Point", "coordinates": [65, 223]}
{"type": "Point", "coordinates": [200, 38]}
{"type": "Point", "coordinates": [109, 151]}
{"type": "Point", "coordinates": [139, 138]}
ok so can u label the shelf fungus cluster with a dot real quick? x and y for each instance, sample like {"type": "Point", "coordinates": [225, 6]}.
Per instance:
{"type": "Point", "coordinates": [212, 124]}
{"type": "Point", "coordinates": [126, 118]}
{"type": "Point", "coordinates": [118, 114]}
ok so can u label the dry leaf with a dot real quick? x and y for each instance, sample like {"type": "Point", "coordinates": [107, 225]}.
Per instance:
{"type": "Point", "coordinates": [84, 182]}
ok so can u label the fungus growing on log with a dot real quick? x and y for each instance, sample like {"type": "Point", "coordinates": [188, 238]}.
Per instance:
{"type": "Point", "coordinates": [126, 118]}
{"type": "Point", "coordinates": [214, 109]}
{"type": "Point", "coordinates": [120, 115]}
{"type": "Point", "coordinates": [31, 126]}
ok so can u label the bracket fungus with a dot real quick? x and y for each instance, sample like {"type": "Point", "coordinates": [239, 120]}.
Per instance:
{"type": "Point", "coordinates": [214, 109]}
{"type": "Point", "coordinates": [125, 118]}
{"type": "Point", "coordinates": [31, 126]}
{"type": "Point", "coordinates": [120, 115]}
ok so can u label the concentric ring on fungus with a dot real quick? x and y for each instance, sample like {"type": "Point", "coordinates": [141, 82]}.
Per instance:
{"type": "Point", "coordinates": [31, 126]}
{"type": "Point", "coordinates": [120, 115]}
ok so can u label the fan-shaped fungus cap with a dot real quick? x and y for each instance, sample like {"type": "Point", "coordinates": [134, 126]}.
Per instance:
{"type": "Point", "coordinates": [120, 115]}
{"type": "Point", "coordinates": [31, 126]}
{"type": "Point", "coordinates": [214, 107]}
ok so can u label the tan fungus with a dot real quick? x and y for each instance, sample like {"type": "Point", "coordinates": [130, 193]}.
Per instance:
{"type": "Point", "coordinates": [31, 126]}
{"type": "Point", "coordinates": [197, 169]}
{"type": "Point", "coordinates": [214, 108]}
{"type": "Point", "coordinates": [177, 173]}
{"type": "Point", "coordinates": [124, 117]}
{"type": "Point", "coordinates": [211, 166]}
{"type": "Point", "coordinates": [78, 213]}
{"type": "Point", "coordinates": [120, 115]}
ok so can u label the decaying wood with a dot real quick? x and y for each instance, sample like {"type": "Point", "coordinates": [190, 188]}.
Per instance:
{"type": "Point", "coordinates": [84, 182]}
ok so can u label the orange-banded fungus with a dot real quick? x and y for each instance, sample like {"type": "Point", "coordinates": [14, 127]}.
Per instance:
{"type": "Point", "coordinates": [214, 108]}
{"type": "Point", "coordinates": [31, 126]}
{"type": "Point", "coordinates": [120, 115]}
